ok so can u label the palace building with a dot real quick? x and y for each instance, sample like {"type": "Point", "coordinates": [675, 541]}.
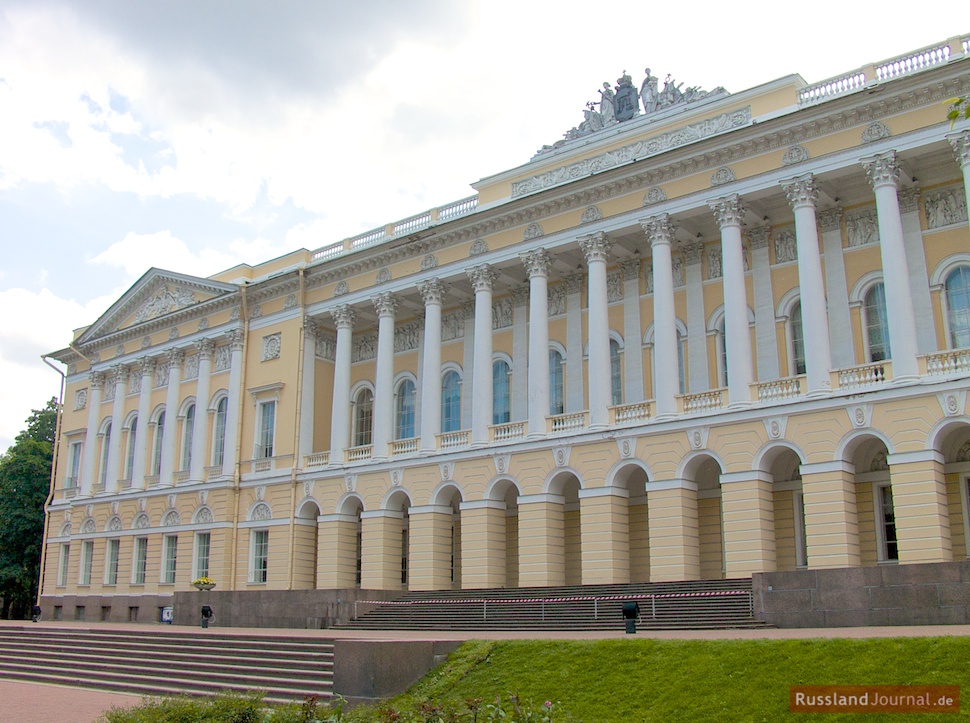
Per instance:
{"type": "Point", "coordinates": [706, 335]}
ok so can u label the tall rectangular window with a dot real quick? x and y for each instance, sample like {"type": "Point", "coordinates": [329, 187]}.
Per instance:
{"type": "Point", "coordinates": [73, 465]}
{"type": "Point", "coordinates": [140, 561]}
{"type": "Point", "coordinates": [130, 449]}
{"type": "Point", "coordinates": [63, 564]}
{"type": "Point", "coordinates": [202, 540]}
{"type": "Point", "coordinates": [267, 430]}
{"type": "Point", "coordinates": [890, 550]}
{"type": "Point", "coordinates": [260, 555]}
{"type": "Point", "coordinates": [219, 432]}
{"type": "Point", "coordinates": [87, 560]}
{"type": "Point", "coordinates": [111, 563]}
{"type": "Point", "coordinates": [169, 558]}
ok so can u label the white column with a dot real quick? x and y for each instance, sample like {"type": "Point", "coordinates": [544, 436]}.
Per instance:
{"type": "Point", "coordinates": [632, 332]}
{"type": "Point", "coordinates": [119, 378]}
{"type": "Point", "coordinates": [919, 283]}
{"type": "Point", "coordinates": [307, 397]}
{"type": "Point", "coordinates": [575, 394]}
{"type": "Point", "coordinates": [343, 317]}
{"type": "Point", "coordinates": [200, 433]}
{"type": "Point", "coordinates": [660, 234]}
{"type": "Point", "coordinates": [537, 264]}
{"type": "Point", "coordinates": [386, 306]}
{"type": "Point", "coordinates": [482, 278]}
{"type": "Point", "coordinates": [597, 247]}
{"type": "Point", "coordinates": [766, 341]}
{"type": "Point", "coordinates": [961, 146]}
{"type": "Point", "coordinates": [802, 194]}
{"type": "Point", "coordinates": [520, 353]}
{"type": "Point", "coordinates": [236, 343]}
{"type": "Point", "coordinates": [142, 437]}
{"type": "Point", "coordinates": [170, 430]}
{"type": "Point", "coordinates": [840, 323]}
{"type": "Point", "coordinates": [883, 173]}
{"type": "Point", "coordinates": [433, 293]}
{"type": "Point", "coordinates": [89, 473]}
{"type": "Point", "coordinates": [737, 335]}
{"type": "Point", "coordinates": [698, 375]}
{"type": "Point", "coordinates": [468, 363]}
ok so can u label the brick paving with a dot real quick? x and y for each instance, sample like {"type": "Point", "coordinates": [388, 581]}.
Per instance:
{"type": "Point", "coordinates": [39, 703]}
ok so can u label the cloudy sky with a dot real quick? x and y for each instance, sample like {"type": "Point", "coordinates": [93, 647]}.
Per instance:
{"type": "Point", "coordinates": [193, 135]}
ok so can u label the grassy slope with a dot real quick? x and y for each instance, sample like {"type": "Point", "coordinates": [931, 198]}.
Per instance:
{"type": "Point", "coordinates": [628, 680]}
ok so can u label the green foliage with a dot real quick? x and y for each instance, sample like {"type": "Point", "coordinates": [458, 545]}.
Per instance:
{"type": "Point", "coordinates": [626, 680]}
{"type": "Point", "coordinates": [222, 709]}
{"type": "Point", "coordinates": [957, 107]}
{"type": "Point", "coordinates": [25, 472]}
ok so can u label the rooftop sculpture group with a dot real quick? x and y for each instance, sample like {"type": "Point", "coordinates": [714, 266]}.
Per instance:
{"type": "Point", "coordinates": [622, 103]}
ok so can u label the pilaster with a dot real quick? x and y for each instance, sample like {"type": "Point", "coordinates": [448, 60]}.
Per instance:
{"type": "Point", "coordinates": [920, 507]}
{"type": "Point", "coordinates": [674, 538]}
{"type": "Point", "coordinates": [605, 530]}
{"type": "Point", "coordinates": [831, 515]}
{"type": "Point", "coordinates": [748, 514]}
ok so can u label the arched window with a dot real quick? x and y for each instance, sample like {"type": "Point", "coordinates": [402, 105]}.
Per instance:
{"type": "Point", "coordinates": [130, 449]}
{"type": "Point", "coordinates": [958, 306]}
{"type": "Point", "coordinates": [616, 372]}
{"type": "Point", "coordinates": [877, 324]}
{"type": "Point", "coordinates": [501, 393]}
{"type": "Point", "coordinates": [219, 432]}
{"type": "Point", "coordinates": [720, 345]}
{"type": "Point", "coordinates": [451, 402]}
{"type": "Point", "coordinates": [364, 418]}
{"type": "Point", "coordinates": [556, 388]}
{"type": "Point", "coordinates": [157, 444]}
{"type": "Point", "coordinates": [105, 446]}
{"type": "Point", "coordinates": [404, 412]}
{"type": "Point", "coordinates": [188, 429]}
{"type": "Point", "coordinates": [797, 339]}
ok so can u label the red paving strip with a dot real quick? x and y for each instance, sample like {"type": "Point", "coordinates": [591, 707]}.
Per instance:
{"type": "Point", "coordinates": [39, 703]}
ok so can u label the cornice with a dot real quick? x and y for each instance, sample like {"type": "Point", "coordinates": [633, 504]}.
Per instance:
{"type": "Point", "coordinates": [801, 125]}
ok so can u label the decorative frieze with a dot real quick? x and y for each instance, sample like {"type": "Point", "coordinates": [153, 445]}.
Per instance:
{"type": "Point", "coordinates": [557, 299]}
{"type": "Point", "coordinates": [533, 230]}
{"type": "Point", "coordinates": [786, 249]}
{"type": "Point", "coordinates": [945, 207]}
{"type": "Point", "coordinates": [326, 346]}
{"type": "Point", "coordinates": [190, 369]}
{"type": "Point", "coordinates": [723, 175]}
{"type": "Point", "coordinates": [830, 219]}
{"type": "Point", "coordinates": [134, 383]}
{"type": "Point", "coordinates": [340, 289]}
{"type": "Point", "coordinates": [478, 247]}
{"type": "Point", "coordinates": [383, 276]}
{"type": "Point", "coordinates": [165, 301]}
{"type": "Point", "coordinates": [407, 336]}
{"type": "Point", "coordinates": [654, 196]}
{"type": "Point", "coordinates": [591, 214]}
{"type": "Point", "coordinates": [635, 151]}
{"type": "Point", "coordinates": [862, 227]}
{"type": "Point", "coordinates": [80, 399]}
{"type": "Point", "coordinates": [452, 325]}
{"type": "Point", "coordinates": [290, 301]}
{"type": "Point", "coordinates": [256, 312]}
{"type": "Point", "coordinates": [795, 154]}
{"type": "Point", "coordinates": [876, 131]}
{"type": "Point", "coordinates": [714, 263]}
{"type": "Point", "coordinates": [614, 287]}
{"type": "Point", "coordinates": [502, 313]}
{"type": "Point", "coordinates": [173, 333]}
{"type": "Point", "coordinates": [221, 358]}
{"type": "Point", "coordinates": [429, 262]}
{"type": "Point", "coordinates": [759, 237]}
{"type": "Point", "coordinates": [161, 374]}
{"type": "Point", "coordinates": [364, 348]}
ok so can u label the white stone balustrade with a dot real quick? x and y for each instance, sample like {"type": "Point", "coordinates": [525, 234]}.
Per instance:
{"type": "Point", "coordinates": [703, 401]}
{"type": "Point", "coordinates": [505, 432]}
{"type": "Point", "coordinates": [780, 390]}
{"type": "Point", "coordinates": [866, 375]}
{"type": "Point", "coordinates": [631, 413]}
{"type": "Point", "coordinates": [945, 363]}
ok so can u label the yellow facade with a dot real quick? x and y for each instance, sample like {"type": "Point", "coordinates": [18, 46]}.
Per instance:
{"type": "Point", "coordinates": [278, 427]}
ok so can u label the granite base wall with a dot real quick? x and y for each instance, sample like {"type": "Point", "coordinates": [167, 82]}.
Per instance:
{"type": "Point", "coordinates": [105, 608]}
{"type": "Point", "coordinates": [923, 594]}
{"type": "Point", "coordinates": [366, 671]}
{"type": "Point", "coordinates": [312, 609]}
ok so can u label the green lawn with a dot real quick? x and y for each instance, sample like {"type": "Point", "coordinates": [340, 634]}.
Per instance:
{"type": "Point", "coordinates": [629, 680]}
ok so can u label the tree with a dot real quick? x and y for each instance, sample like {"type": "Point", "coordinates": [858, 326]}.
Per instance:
{"type": "Point", "coordinates": [25, 473]}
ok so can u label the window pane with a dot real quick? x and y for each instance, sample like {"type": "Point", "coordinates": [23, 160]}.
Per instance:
{"type": "Point", "coordinates": [616, 372]}
{"type": "Point", "coordinates": [219, 432]}
{"type": "Point", "coordinates": [451, 402]}
{"type": "Point", "coordinates": [171, 557]}
{"type": "Point", "coordinates": [404, 422]}
{"type": "Point", "coordinates": [141, 560]}
{"type": "Point", "coordinates": [202, 554]}
{"type": "Point", "coordinates": [797, 339]}
{"type": "Point", "coordinates": [556, 395]}
{"type": "Point", "coordinates": [501, 393]}
{"type": "Point", "coordinates": [364, 418]}
{"type": "Point", "coordinates": [111, 563]}
{"type": "Point", "coordinates": [958, 307]}
{"type": "Point", "coordinates": [187, 431]}
{"type": "Point", "coordinates": [877, 324]}
{"type": "Point", "coordinates": [260, 555]}
{"type": "Point", "coordinates": [105, 446]}
{"type": "Point", "coordinates": [157, 448]}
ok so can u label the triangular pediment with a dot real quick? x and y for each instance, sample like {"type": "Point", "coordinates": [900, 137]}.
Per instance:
{"type": "Point", "coordinates": [155, 295]}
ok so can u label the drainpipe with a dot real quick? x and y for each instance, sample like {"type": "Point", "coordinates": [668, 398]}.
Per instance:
{"type": "Point", "coordinates": [50, 492]}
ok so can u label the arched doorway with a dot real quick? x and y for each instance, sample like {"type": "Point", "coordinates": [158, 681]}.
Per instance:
{"type": "Point", "coordinates": [874, 501]}
{"type": "Point", "coordinates": [705, 472]}
{"type": "Point", "coordinates": [567, 486]}
{"type": "Point", "coordinates": [788, 506]}
{"type": "Point", "coordinates": [633, 478]}
{"type": "Point", "coordinates": [305, 543]}
{"type": "Point", "coordinates": [955, 447]}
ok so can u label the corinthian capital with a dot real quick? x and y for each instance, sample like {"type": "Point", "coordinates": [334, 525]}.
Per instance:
{"type": "Point", "coordinates": [147, 365]}
{"type": "Point", "coordinates": [343, 316]}
{"type": "Point", "coordinates": [729, 211]}
{"type": "Point", "coordinates": [882, 169]}
{"type": "Point", "coordinates": [119, 373]}
{"type": "Point", "coordinates": [481, 277]}
{"type": "Point", "coordinates": [830, 219]}
{"type": "Point", "coordinates": [236, 338]}
{"type": "Point", "coordinates": [759, 237]}
{"type": "Point", "coordinates": [961, 146]}
{"type": "Point", "coordinates": [536, 263]}
{"type": "Point", "coordinates": [205, 347]}
{"type": "Point", "coordinates": [596, 247]}
{"type": "Point", "coordinates": [175, 357]}
{"type": "Point", "coordinates": [659, 229]}
{"type": "Point", "coordinates": [432, 291]}
{"type": "Point", "coordinates": [385, 304]}
{"type": "Point", "coordinates": [97, 380]}
{"type": "Point", "coordinates": [801, 191]}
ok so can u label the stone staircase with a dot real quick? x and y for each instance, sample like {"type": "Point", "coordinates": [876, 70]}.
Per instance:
{"type": "Point", "coordinates": [689, 605]}
{"type": "Point", "coordinates": [165, 661]}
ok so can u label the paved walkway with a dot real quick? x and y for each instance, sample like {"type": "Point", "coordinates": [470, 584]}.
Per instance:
{"type": "Point", "coordinates": [38, 703]}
